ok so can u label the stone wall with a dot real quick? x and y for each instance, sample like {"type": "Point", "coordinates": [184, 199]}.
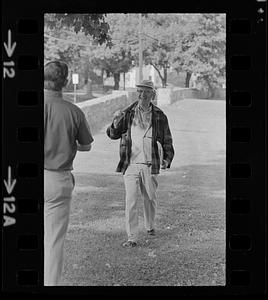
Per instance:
{"type": "Point", "coordinates": [167, 96]}
{"type": "Point", "coordinates": [220, 94]}
{"type": "Point", "coordinates": [99, 111]}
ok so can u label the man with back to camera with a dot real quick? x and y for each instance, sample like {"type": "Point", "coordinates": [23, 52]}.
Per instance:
{"type": "Point", "coordinates": [65, 131]}
{"type": "Point", "coordinates": [145, 144]}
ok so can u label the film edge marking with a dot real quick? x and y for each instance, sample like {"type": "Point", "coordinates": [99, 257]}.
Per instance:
{"type": "Point", "coordinates": [8, 205]}
{"type": "Point", "coordinates": [8, 70]}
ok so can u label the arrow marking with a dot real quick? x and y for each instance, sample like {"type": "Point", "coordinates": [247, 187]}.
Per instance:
{"type": "Point", "coordinates": [9, 47]}
{"type": "Point", "coordinates": [10, 183]}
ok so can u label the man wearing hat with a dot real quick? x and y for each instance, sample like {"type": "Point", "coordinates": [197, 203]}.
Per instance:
{"type": "Point", "coordinates": [65, 131]}
{"type": "Point", "coordinates": [145, 144]}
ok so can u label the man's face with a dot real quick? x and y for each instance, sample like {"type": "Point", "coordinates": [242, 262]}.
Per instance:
{"type": "Point", "coordinates": [145, 95]}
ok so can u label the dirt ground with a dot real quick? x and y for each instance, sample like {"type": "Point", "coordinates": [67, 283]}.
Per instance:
{"type": "Point", "coordinates": [189, 246]}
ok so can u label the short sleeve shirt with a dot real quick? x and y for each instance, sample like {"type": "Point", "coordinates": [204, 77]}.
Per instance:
{"type": "Point", "coordinates": [64, 125]}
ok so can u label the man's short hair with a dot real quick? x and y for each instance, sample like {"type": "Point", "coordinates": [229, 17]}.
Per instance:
{"type": "Point", "coordinates": [55, 75]}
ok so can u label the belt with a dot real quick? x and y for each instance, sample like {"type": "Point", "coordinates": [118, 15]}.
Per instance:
{"type": "Point", "coordinates": [147, 164]}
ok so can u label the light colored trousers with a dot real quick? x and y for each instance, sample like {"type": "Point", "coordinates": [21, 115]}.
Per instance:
{"type": "Point", "coordinates": [58, 187]}
{"type": "Point", "coordinates": [138, 176]}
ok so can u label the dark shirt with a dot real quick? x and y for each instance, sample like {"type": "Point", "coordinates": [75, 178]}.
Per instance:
{"type": "Point", "coordinates": [160, 133]}
{"type": "Point", "coordinates": [64, 124]}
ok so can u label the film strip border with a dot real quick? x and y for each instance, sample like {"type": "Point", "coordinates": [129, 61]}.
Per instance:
{"type": "Point", "coordinates": [245, 152]}
{"type": "Point", "coordinates": [22, 171]}
{"type": "Point", "coordinates": [23, 151]}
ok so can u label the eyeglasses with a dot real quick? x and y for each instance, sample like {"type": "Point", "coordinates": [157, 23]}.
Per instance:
{"type": "Point", "coordinates": [144, 91]}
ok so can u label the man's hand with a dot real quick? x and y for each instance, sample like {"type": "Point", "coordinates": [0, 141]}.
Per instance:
{"type": "Point", "coordinates": [118, 116]}
{"type": "Point", "coordinates": [83, 147]}
{"type": "Point", "coordinates": [164, 164]}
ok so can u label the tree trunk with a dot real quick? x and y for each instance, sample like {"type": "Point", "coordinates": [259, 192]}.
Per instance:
{"type": "Point", "coordinates": [116, 81]}
{"type": "Point", "coordinates": [124, 76]}
{"type": "Point", "coordinates": [87, 80]}
{"type": "Point", "coordinates": [187, 79]}
{"type": "Point", "coordinates": [165, 77]}
{"type": "Point", "coordinates": [177, 71]}
{"type": "Point", "coordinates": [211, 90]}
{"type": "Point", "coordinates": [160, 75]}
{"type": "Point", "coordinates": [89, 88]}
{"type": "Point", "coordinates": [102, 75]}
{"type": "Point", "coordinates": [86, 74]}
{"type": "Point", "coordinates": [102, 78]}
{"type": "Point", "coordinates": [162, 82]}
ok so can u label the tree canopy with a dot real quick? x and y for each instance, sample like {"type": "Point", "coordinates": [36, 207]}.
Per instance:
{"type": "Point", "coordinates": [191, 43]}
{"type": "Point", "coordinates": [160, 37]}
{"type": "Point", "coordinates": [94, 25]}
{"type": "Point", "coordinates": [118, 58]}
{"type": "Point", "coordinates": [201, 49]}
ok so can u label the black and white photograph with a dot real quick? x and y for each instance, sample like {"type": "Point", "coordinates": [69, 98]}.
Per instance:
{"type": "Point", "coordinates": [135, 149]}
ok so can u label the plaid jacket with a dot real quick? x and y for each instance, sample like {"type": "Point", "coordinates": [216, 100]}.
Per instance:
{"type": "Point", "coordinates": [160, 133]}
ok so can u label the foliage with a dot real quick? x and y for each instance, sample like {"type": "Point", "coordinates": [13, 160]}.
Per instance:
{"type": "Point", "coordinates": [91, 24]}
{"type": "Point", "coordinates": [109, 44]}
{"type": "Point", "coordinates": [64, 42]}
{"type": "Point", "coordinates": [119, 57]}
{"type": "Point", "coordinates": [160, 35]}
{"type": "Point", "coordinates": [202, 50]}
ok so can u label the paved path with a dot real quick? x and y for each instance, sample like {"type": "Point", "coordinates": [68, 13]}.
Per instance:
{"type": "Point", "coordinates": [198, 130]}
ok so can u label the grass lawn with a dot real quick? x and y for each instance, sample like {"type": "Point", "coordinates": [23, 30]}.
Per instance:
{"type": "Point", "coordinates": [188, 249]}
{"type": "Point", "coordinates": [189, 246]}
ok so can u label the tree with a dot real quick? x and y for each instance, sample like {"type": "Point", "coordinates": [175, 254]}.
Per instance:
{"type": "Point", "coordinates": [159, 42]}
{"type": "Point", "coordinates": [202, 50]}
{"type": "Point", "coordinates": [118, 58]}
{"type": "Point", "coordinates": [161, 31]}
{"type": "Point", "coordinates": [71, 38]}
{"type": "Point", "coordinates": [94, 25]}
{"type": "Point", "coordinates": [211, 51]}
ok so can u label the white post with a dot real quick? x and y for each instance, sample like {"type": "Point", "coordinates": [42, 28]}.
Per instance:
{"type": "Point", "coordinates": [74, 93]}
{"type": "Point", "coordinates": [75, 82]}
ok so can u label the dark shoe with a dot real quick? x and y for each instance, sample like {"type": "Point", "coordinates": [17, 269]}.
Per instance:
{"type": "Point", "coordinates": [151, 232]}
{"type": "Point", "coordinates": [130, 244]}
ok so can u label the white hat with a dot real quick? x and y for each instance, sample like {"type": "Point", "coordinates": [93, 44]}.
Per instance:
{"type": "Point", "coordinates": [146, 83]}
